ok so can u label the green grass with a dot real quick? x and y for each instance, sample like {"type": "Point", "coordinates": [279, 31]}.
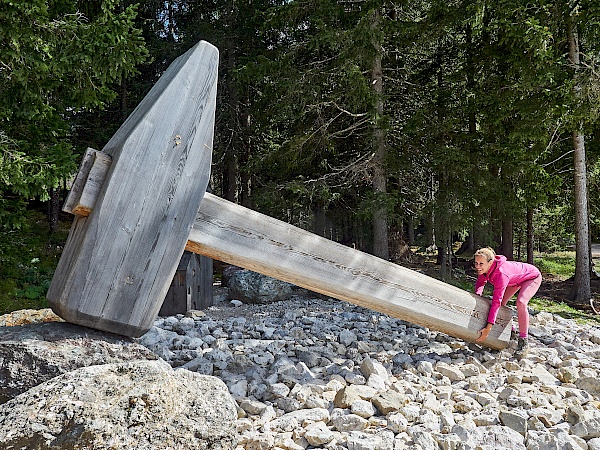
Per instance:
{"type": "Point", "coordinates": [563, 310]}
{"type": "Point", "coordinates": [561, 264]}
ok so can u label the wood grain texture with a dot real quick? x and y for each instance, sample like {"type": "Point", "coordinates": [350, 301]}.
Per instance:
{"type": "Point", "coordinates": [233, 234]}
{"type": "Point", "coordinates": [88, 183]}
{"type": "Point", "coordinates": [191, 287]}
{"type": "Point", "coordinates": [118, 262]}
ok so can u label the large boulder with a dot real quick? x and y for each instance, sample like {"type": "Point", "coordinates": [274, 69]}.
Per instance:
{"type": "Point", "coordinates": [37, 352]}
{"type": "Point", "coordinates": [252, 287]}
{"type": "Point", "coordinates": [134, 405]}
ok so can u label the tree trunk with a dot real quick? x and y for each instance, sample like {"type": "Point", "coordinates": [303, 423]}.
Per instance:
{"type": "Point", "coordinates": [507, 239]}
{"type": "Point", "coordinates": [471, 85]}
{"type": "Point", "coordinates": [429, 232]}
{"type": "Point", "coordinates": [410, 230]}
{"type": "Point", "coordinates": [319, 221]}
{"type": "Point", "coordinates": [246, 152]}
{"type": "Point", "coordinates": [581, 291]}
{"type": "Point", "coordinates": [496, 230]}
{"type": "Point", "coordinates": [230, 189]}
{"type": "Point", "coordinates": [468, 245]}
{"type": "Point", "coordinates": [442, 260]}
{"type": "Point", "coordinates": [530, 236]}
{"type": "Point", "coordinates": [230, 176]}
{"type": "Point", "coordinates": [380, 227]}
{"type": "Point", "coordinates": [232, 152]}
{"type": "Point", "coordinates": [245, 175]}
{"type": "Point", "coordinates": [53, 209]}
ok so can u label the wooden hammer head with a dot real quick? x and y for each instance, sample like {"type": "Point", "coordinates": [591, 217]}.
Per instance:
{"type": "Point", "coordinates": [118, 262]}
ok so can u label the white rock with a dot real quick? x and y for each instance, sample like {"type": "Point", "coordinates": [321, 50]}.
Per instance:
{"type": "Point", "coordinates": [449, 441]}
{"type": "Point", "coordinates": [470, 370]}
{"type": "Point", "coordinates": [256, 441]}
{"type": "Point", "coordinates": [540, 374]}
{"type": "Point", "coordinates": [376, 382]}
{"type": "Point", "coordinates": [279, 390]}
{"type": "Point", "coordinates": [453, 373]}
{"type": "Point", "coordinates": [284, 424]}
{"type": "Point", "coordinates": [313, 415]}
{"type": "Point", "coordinates": [431, 402]}
{"type": "Point", "coordinates": [355, 378]}
{"type": "Point", "coordinates": [514, 419]}
{"type": "Point", "coordinates": [346, 422]}
{"type": "Point", "coordinates": [363, 441]}
{"type": "Point", "coordinates": [363, 408]}
{"type": "Point", "coordinates": [318, 434]}
{"type": "Point", "coordinates": [252, 406]}
{"type": "Point", "coordinates": [429, 420]}
{"type": "Point", "coordinates": [425, 367]}
{"type": "Point", "coordinates": [424, 439]}
{"type": "Point", "coordinates": [498, 438]}
{"type": "Point", "coordinates": [588, 429]}
{"type": "Point", "coordinates": [287, 443]}
{"type": "Point", "coordinates": [594, 444]}
{"type": "Point", "coordinates": [397, 423]}
{"type": "Point", "coordinates": [238, 388]}
{"type": "Point", "coordinates": [347, 337]}
{"type": "Point", "coordinates": [370, 367]}
{"type": "Point", "coordinates": [558, 439]}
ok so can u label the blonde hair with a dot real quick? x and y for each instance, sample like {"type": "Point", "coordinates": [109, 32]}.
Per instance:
{"type": "Point", "coordinates": [488, 253]}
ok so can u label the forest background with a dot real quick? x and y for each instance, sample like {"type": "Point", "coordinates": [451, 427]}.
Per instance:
{"type": "Point", "coordinates": [382, 125]}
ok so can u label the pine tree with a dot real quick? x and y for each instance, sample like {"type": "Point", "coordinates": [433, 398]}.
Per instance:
{"type": "Point", "coordinates": [55, 63]}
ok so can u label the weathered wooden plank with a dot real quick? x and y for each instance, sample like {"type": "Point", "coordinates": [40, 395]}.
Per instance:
{"type": "Point", "coordinates": [88, 182]}
{"type": "Point", "coordinates": [230, 233]}
{"type": "Point", "coordinates": [118, 262]}
{"type": "Point", "coordinates": [88, 159]}
{"type": "Point", "coordinates": [191, 287]}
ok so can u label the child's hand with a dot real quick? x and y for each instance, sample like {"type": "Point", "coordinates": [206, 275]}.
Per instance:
{"type": "Point", "coordinates": [483, 334]}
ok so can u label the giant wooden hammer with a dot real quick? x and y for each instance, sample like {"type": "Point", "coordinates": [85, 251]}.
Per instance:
{"type": "Point", "coordinates": [141, 201]}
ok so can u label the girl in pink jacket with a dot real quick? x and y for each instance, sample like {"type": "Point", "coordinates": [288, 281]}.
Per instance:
{"type": "Point", "coordinates": [508, 278]}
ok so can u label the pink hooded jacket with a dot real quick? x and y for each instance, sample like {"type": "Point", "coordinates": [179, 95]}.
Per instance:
{"type": "Point", "coordinates": [502, 274]}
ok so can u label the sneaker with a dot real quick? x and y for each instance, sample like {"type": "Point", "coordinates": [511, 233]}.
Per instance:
{"type": "Point", "coordinates": [514, 334]}
{"type": "Point", "coordinates": [522, 347]}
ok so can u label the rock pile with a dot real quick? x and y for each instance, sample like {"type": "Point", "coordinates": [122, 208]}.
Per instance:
{"type": "Point", "coordinates": [319, 373]}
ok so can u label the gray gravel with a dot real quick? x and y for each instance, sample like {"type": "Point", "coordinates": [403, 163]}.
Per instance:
{"type": "Point", "coordinates": [314, 372]}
